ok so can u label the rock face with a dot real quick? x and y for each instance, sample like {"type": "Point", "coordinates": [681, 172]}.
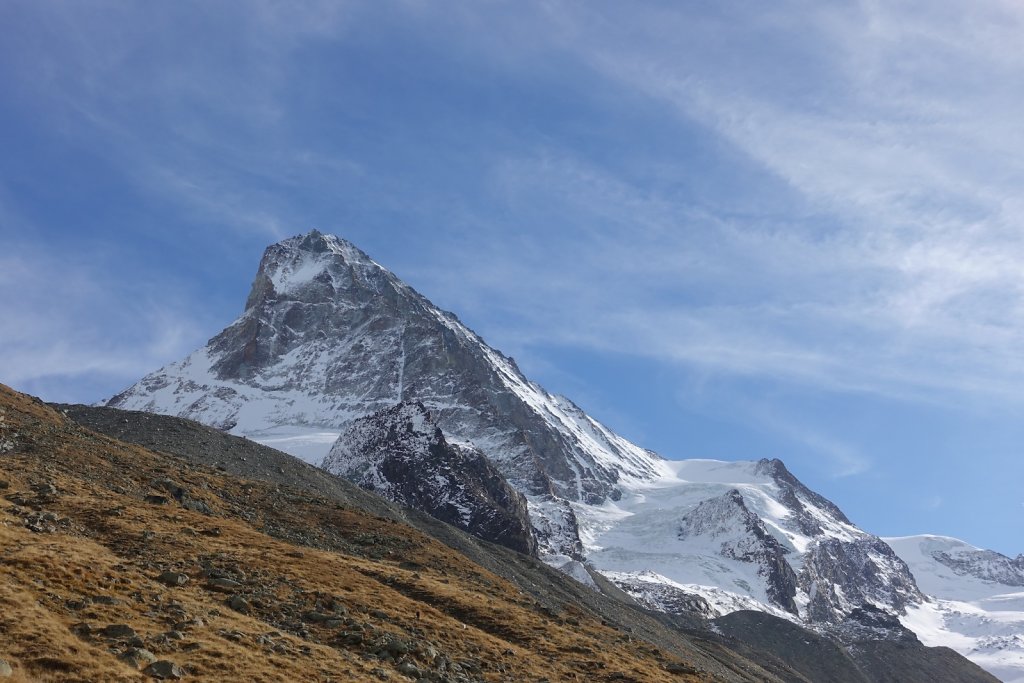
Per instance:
{"type": "Point", "coordinates": [742, 536]}
{"type": "Point", "coordinates": [840, 576]}
{"type": "Point", "coordinates": [800, 500]}
{"type": "Point", "coordinates": [986, 565]}
{"type": "Point", "coordinates": [863, 624]}
{"type": "Point", "coordinates": [402, 454]}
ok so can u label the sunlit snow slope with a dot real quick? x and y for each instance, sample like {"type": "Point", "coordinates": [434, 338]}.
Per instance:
{"type": "Point", "coordinates": [742, 535]}
{"type": "Point", "coordinates": [976, 605]}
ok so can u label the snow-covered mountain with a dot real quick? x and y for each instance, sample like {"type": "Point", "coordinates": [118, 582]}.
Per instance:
{"type": "Point", "coordinates": [744, 535]}
{"type": "Point", "coordinates": [976, 604]}
{"type": "Point", "coordinates": [328, 337]}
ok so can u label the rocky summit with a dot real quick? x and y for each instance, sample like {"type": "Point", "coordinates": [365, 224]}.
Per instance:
{"type": "Point", "coordinates": [328, 336]}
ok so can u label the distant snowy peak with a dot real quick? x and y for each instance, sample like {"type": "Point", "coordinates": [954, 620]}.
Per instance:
{"type": "Point", "coordinates": [976, 601]}
{"type": "Point", "coordinates": [792, 513]}
{"type": "Point", "coordinates": [751, 532]}
{"type": "Point", "coordinates": [950, 568]}
{"type": "Point", "coordinates": [402, 454]}
{"type": "Point", "coordinates": [987, 565]}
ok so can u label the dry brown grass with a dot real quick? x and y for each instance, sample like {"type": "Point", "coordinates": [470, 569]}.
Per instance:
{"type": "Point", "coordinates": [114, 544]}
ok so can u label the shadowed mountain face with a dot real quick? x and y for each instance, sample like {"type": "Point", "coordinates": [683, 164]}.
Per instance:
{"type": "Point", "coordinates": [401, 454]}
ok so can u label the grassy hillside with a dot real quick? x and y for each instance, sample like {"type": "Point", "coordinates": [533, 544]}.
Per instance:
{"type": "Point", "coordinates": [114, 556]}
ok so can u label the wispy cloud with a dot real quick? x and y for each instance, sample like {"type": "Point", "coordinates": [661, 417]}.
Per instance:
{"type": "Point", "coordinates": [892, 267]}
{"type": "Point", "coordinates": [205, 129]}
{"type": "Point", "coordinates": [870, 242]}
{"type": "Point", "coordinates": [55, 333]}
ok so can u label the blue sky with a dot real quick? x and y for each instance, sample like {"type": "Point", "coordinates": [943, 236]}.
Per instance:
{"type": "Point", "coordinates": [727, 230]}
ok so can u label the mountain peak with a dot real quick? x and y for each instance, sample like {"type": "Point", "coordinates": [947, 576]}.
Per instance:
{"type": "Point", "coordinates": [317, 242]}
{"type": "Point", "coordinates": [310, 267]}
{"type": "Point", "coordinates": [741, 535]}
{"type": "Point", "coordinates": [797, 496]}
{"type": "Point", "coordinates": [328, 336]}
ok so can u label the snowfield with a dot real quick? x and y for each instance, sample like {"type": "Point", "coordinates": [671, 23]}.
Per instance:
{"type": "Point", "coordinates": [980, 618]}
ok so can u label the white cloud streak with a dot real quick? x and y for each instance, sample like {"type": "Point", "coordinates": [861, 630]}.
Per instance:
{"type": "Point", "coordinates": [896, 126]}
{"type": "Point", "coordinates": [892, 269]}
{"type": "Point", "coordinates": [56, 332]}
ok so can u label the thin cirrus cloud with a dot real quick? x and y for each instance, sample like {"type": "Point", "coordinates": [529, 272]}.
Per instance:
{"type": "Point", "coordinates": [896, 133]}
{"type": "Point", "coordinates": [201, 128]}
{"type": "Point", "coordinates": [873, 251]}
{"type": "Point", "coordinates": [57, 338]}
{"type": "Point", "coordinates": [700, 290]}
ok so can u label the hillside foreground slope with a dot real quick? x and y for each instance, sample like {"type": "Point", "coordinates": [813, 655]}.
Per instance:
{"type": "Point", "coordinates": [115, 558]}
{"type": "Point", "coordinates": [208, 557]}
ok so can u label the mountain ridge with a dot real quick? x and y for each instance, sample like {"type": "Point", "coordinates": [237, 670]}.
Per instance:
{"type": "Point", "coordinates": [328, 336]}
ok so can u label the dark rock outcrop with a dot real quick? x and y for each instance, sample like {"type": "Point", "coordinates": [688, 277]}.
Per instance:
{"type": "Point", "coordinates": [401, 453]}
{"type": "Point", "coordinates": [842, 575]}
{"type": "Point", "coordinates": [744, 537]}
{"type": "Point", "coordinates": [869, 645]}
